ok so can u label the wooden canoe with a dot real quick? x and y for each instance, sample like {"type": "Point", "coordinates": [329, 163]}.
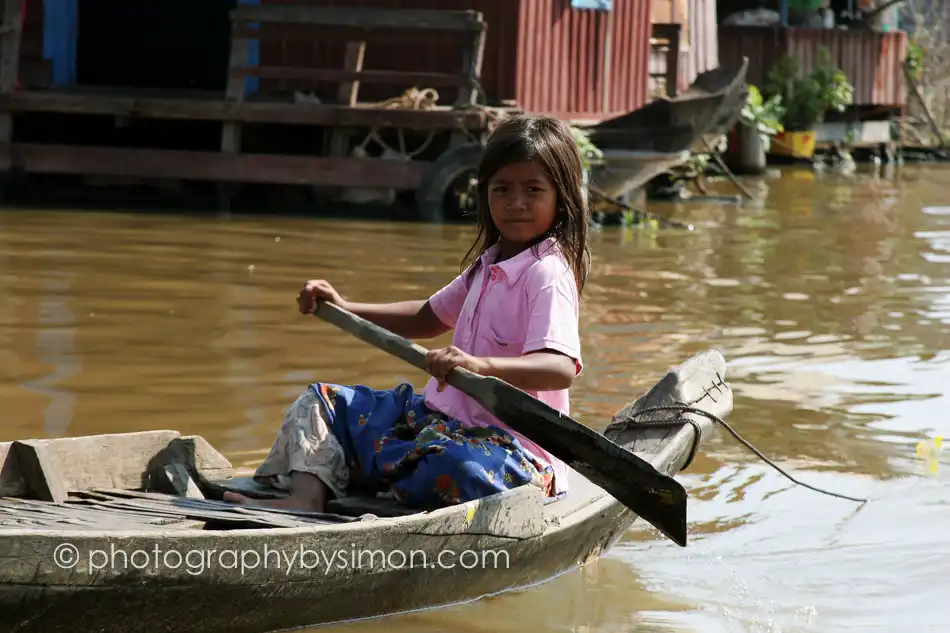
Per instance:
{"type": "Point", "coordinates": [707, 110]}
{"type": "Point", "coordinates": [93, 536]}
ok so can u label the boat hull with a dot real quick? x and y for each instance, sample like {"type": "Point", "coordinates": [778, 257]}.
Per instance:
{"type": "Point", "coordinates": [267, 601]}
{"type": "Point", "coordinates": [624, 172]}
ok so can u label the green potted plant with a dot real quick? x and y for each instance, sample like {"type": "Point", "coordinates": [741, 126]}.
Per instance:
{"type": "Point", "coordinates": [760, 120]}
{"type": "Point", "coordinates": [590, 153]}
{"type": "Point", "coordinates": [806, 100]}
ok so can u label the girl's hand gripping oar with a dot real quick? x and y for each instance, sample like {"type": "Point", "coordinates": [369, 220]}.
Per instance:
{"type": "Point", "coordinates": [657, 498]}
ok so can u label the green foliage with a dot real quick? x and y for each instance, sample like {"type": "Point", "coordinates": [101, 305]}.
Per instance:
{"type": "Point", "coordinates": [807, 98]}
{"type": "Point", "coordinates": [915, 59]}
{"type": "Point", "coordinates": [764, 115]}
{"type": "Point", "coordinates": [590, 153]}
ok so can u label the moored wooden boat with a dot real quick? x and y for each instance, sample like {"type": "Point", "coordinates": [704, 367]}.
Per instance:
{"type": "Point", "coordinates": [124, 533]}
{"type": "Point", "coordinates": [705, 111]}
{"type": "Point", "coordinates": [625, 171]}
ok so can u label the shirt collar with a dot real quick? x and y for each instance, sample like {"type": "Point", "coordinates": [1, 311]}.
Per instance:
{"type": "Point", "coordinates": [514, 267]}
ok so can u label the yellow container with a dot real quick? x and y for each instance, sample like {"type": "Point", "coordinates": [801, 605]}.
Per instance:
{"type": "Point", "coordinates": [794, 144]}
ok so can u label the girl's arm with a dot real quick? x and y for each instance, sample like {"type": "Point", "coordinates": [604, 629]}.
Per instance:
{"type": "Point", "coordinates": [409, 319]}
{"type": "Point", "coordinates": [546, 370]}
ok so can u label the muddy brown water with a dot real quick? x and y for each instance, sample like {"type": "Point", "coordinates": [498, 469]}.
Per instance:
{"type": "Point", "coordinates": [830, 302]}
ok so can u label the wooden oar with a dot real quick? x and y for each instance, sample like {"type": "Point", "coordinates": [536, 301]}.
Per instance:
{"type": "Point", "coordinates": [654, 496]}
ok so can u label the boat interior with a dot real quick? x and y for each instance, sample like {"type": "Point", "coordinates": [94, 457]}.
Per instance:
{"type": "Point", "coordinates": [162, 480]}
{"type": "Point", "coordinates": [166, 481]}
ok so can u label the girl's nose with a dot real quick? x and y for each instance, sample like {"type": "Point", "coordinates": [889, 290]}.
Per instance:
{"type": "Point", "coordinates": [517, 201]}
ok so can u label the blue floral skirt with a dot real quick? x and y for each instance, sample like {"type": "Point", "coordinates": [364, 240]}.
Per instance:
{"type": "Point", "coordinates": [355, 438]}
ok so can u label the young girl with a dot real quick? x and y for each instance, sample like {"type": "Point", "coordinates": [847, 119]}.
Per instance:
{"type": "Point", "coordinates": [515, 314]}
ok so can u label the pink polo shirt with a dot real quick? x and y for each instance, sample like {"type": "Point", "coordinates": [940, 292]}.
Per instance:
{"type": "Point", "coordinates": [526, 303]}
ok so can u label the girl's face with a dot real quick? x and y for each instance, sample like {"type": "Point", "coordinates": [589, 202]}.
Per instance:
{"type": "Point", "coordinates": [523, 202]}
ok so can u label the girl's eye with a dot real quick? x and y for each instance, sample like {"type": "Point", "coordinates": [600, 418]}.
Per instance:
{"type": "Point", "coordinates": [499, 189]}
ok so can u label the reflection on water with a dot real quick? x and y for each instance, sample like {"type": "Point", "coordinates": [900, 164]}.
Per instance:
{"type": "Point", "coordinates": [829, 300]}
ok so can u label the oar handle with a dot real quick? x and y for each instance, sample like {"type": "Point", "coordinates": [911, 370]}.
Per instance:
{"type": "Point", "coordinates": [462, 379]}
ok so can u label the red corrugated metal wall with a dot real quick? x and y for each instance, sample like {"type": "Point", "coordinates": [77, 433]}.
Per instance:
{"type": "Point", "coordinates": [434, 52]}
{"type": "Point", "coordinates": [543, 54]}
{"type": "Point", "coordinates": [872, 61]}
{"type": "Point", "coordinates": [560, 58]}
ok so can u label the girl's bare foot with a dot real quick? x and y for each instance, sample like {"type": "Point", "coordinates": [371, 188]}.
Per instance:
{"type": "Point", "coordinates": [307, 494]}
{"type": "Point", "coordinates": [287, 503]}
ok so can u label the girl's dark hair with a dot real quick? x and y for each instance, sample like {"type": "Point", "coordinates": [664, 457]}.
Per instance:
{"type": "Point", "coordinates": [549, 142]}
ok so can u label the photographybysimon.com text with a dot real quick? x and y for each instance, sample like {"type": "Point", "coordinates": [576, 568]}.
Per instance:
{"type": "Point", "coordinates": [267, 558]}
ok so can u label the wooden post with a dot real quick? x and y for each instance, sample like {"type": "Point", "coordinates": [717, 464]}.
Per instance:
{"type": "Point", "coordinates": [472, 67]}
{"type": "Point", "coordinates": [353, 61]}
{"type": "Point", "coordinates": [10, 36]}
{"type": "Point", "coordinates": [348, 95]}
{"type": "Point", "coordinates": [673, 63]}
{"type": "Point", "coordinates": [231, 130]}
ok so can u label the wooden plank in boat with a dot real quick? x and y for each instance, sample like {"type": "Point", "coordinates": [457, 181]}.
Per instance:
{"type": "Point", "coordinates": [148, 516]}
{"type": "Point", "coordinates": [225, 505]}
{"type": "Point", "coordinates": [207, 514]}
{"type": "Point", "coordinates": [219, 510]}
{"type": "Point", "coordinates": [122, 460]}
{"type": "Point", "coordinates": [201, 458]}
{"type": "Point", "coordinates": [40, 472]}
{"type": "Point", "coordinates": [175, 479]}
{"type": "Point", "coordinates": [17, 511]}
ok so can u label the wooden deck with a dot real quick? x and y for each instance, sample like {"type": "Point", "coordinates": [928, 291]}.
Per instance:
{"type": "Point", "coordinates": [342, 124]}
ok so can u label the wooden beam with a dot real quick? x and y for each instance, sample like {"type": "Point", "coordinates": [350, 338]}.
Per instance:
{"type": "Point", "coordinates": [362, 18]}
{"type": "Point", "coordinates": [175, 479]}
{"type": "Point", "coordinates": [246, 112]}
{"type": "Point", "coordinates": [231, 130]}
{"type": "Point", "coordinates": [43, 478]}
{"type": "Point", "coordinates": [120, 460]}
{"type": "Point", "coordinates": [281, 31]}
{"type": "Point", "coordinates": [472, 59]}
{"type": "Point", "coordinates": [337, 75]}
{"type": "Point", "coordinates": [348, 93]}
{"type": "Point", "coordinates": [10, 37]}
{"type": "Point", "coordinates": [11, 475]}
{"type": "Point", "coordinates": [213, 166]}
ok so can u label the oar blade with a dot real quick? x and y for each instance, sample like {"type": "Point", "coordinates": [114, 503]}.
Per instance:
{"type": "Point", "coordinates": [656, 497]}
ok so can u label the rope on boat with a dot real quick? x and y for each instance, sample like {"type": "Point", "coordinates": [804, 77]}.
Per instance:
{"type": "Point", "coordinates": [685, 408]}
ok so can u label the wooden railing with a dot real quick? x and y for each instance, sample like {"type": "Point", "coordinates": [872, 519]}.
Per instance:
{"type": "Point", "coordinates": [290, 22]}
